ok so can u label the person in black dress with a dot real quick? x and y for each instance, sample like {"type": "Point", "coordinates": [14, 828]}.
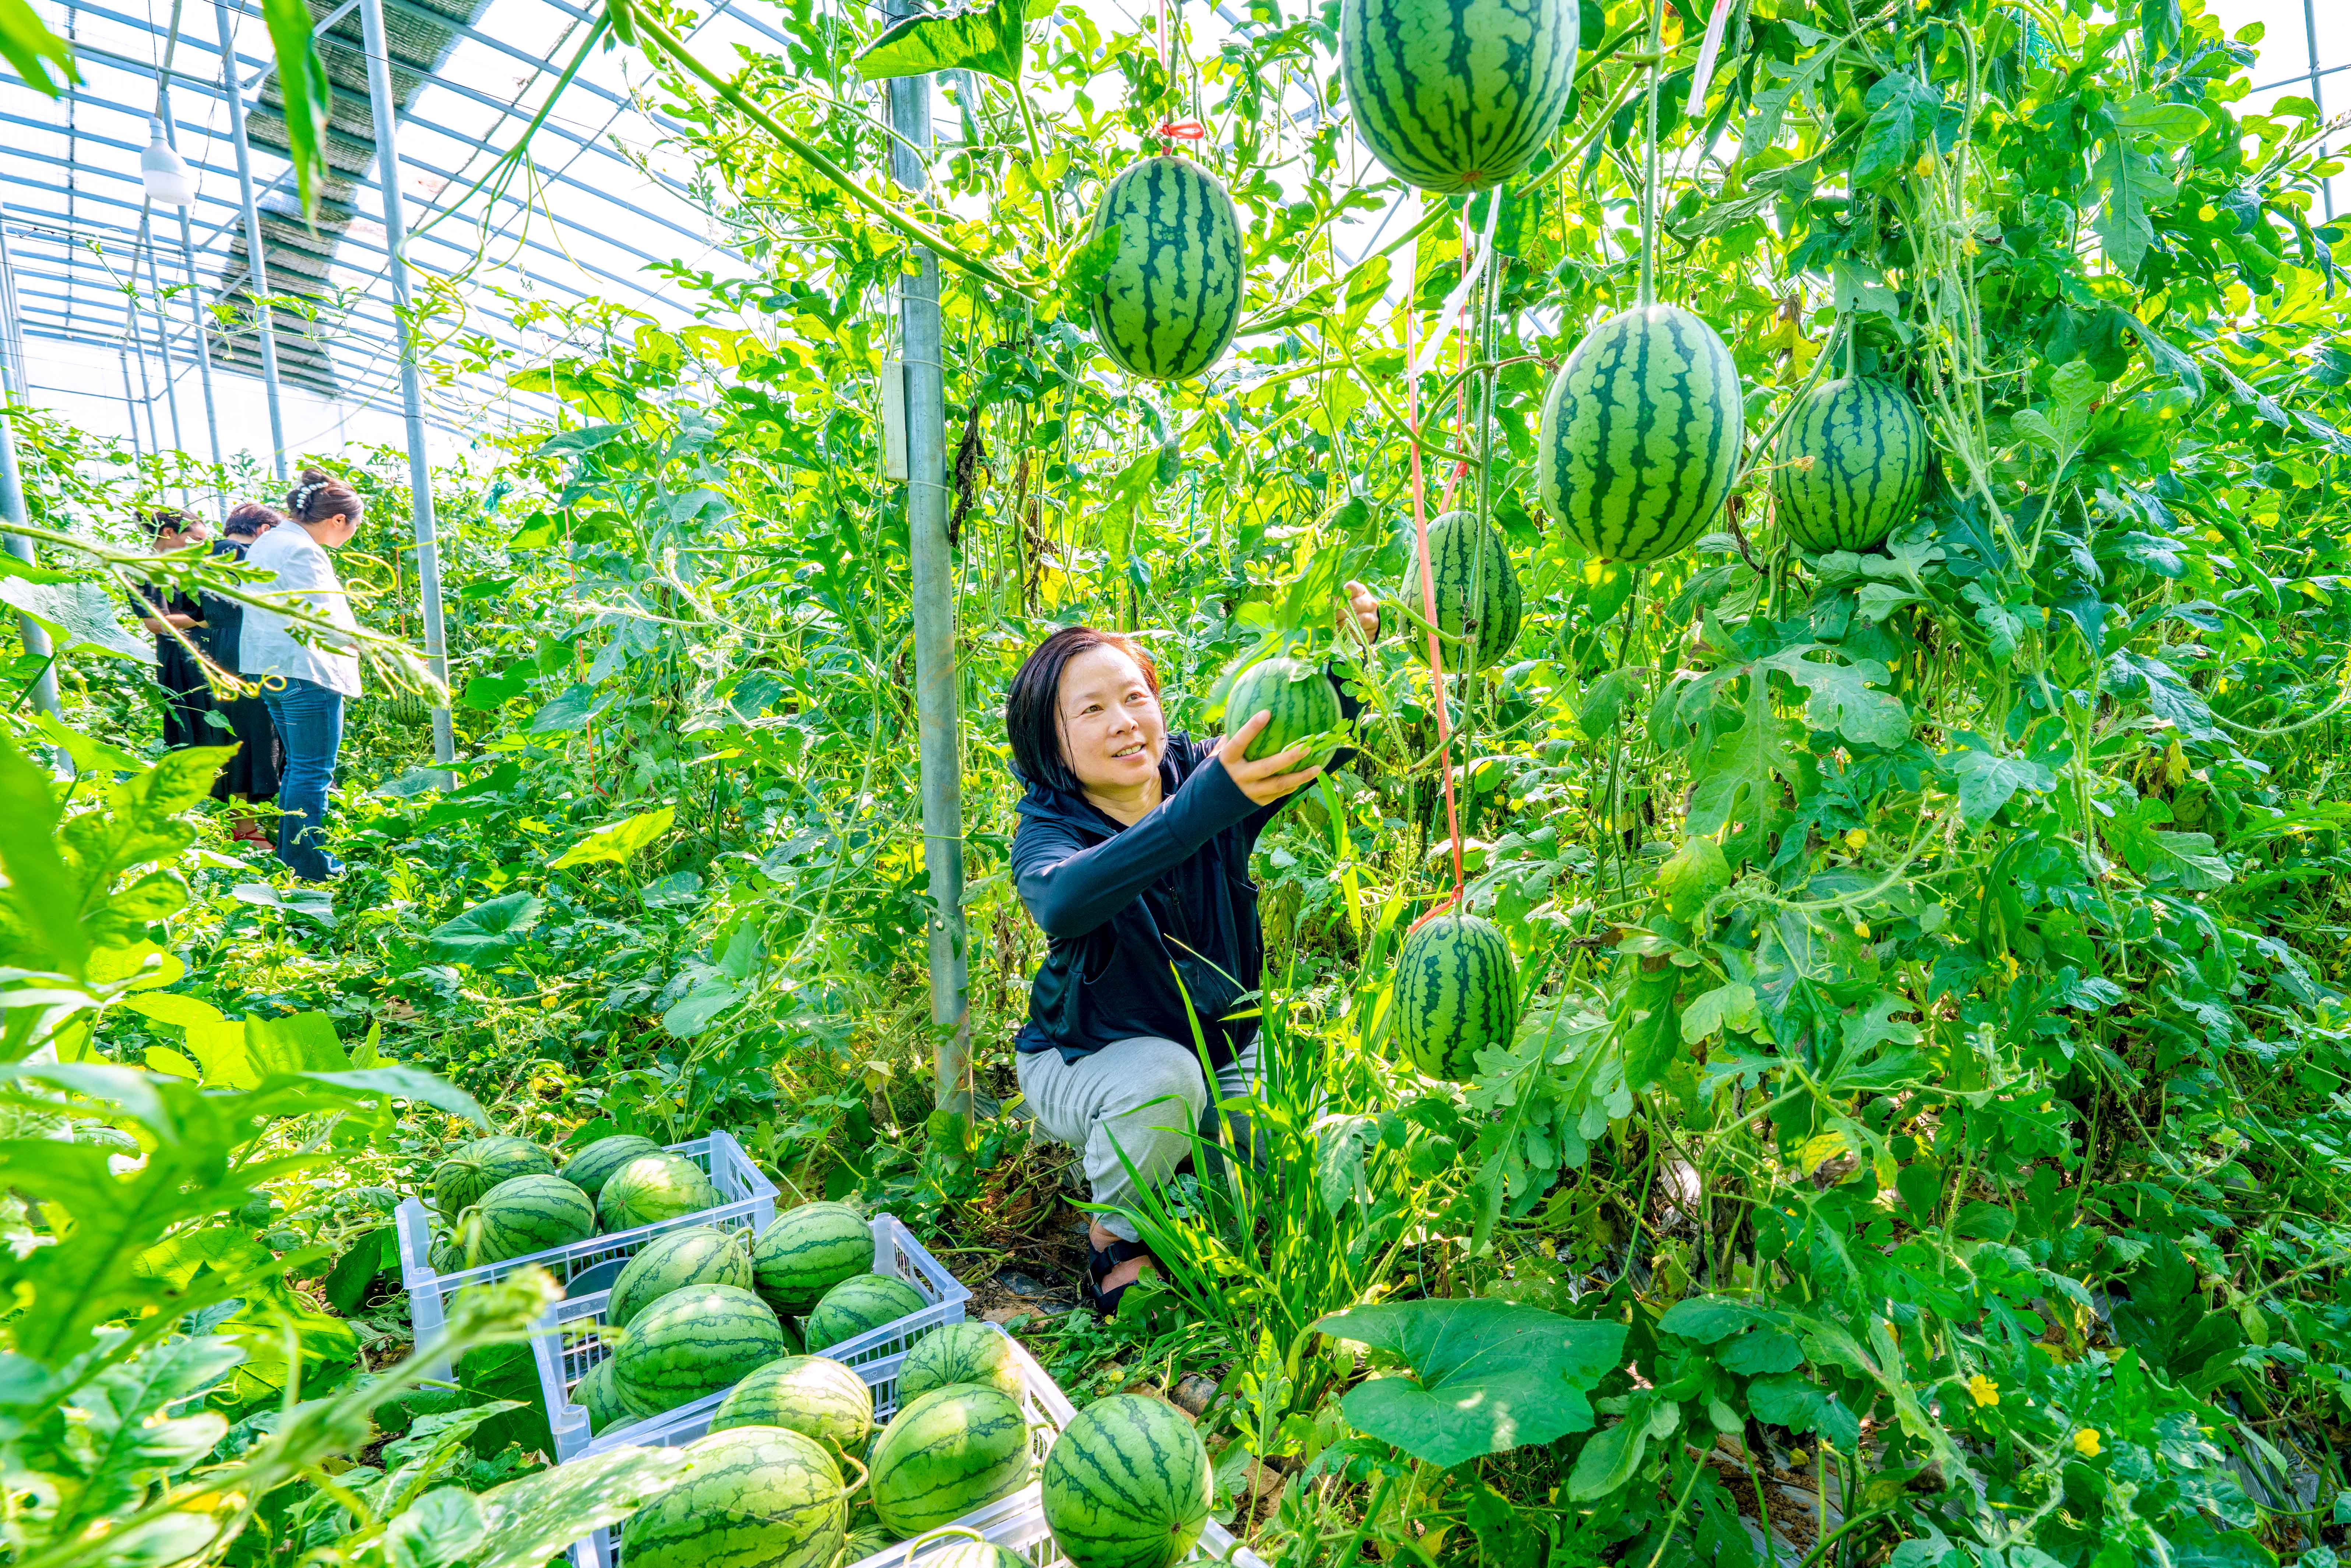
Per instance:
{"type": "Point", "coordinates": [253, 773]}
{"type": "Point", "coordinates": [187, 699]}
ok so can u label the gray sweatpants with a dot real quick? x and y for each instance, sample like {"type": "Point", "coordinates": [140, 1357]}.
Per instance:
{"type": "Point", "coordinates": [1147, 1093]}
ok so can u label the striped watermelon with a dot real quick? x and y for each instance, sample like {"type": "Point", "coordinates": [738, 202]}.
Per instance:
{"type": "Point", "coordinates": [1169, 304]}
{"type": "Point", "coordinates": [597, 1394]}
{"type": "Point", "coordinates": [968, 1553]}
{"type": "Point", "coordinates": [1456, 95]}
{"type": "Point", "coordinates": [655, 1187]}
{"type": "Point", "coordinates": [1456, 992]}
{"type": "Point", "coordinates": [694, 1341]}
{"type": "Point", "coordinates": [1476, 587]}
{"type": "Point", "coordinates": [523, 1214]}
{"type": "Point", "coordinates": [459, 1181]}
{"type": "Point", "coordinates": [1641, 434]}
{"type": "Point", "coordinates": [869, 1538]}
{"type": "Point", "coordinates": [808, 1250]}
{"type": "Point", "coordinates": [812, 1395]}
{"type": "Point", "coordinates": [1851, 465]}
{"type": "Point", "coordinates": [1127, 1485]}
{"type": "Point", "coordinates": [860, 1303]}
{"type": "Point", "coordinates": [757, 1497]}
{"type": "Point", "coordinates": [592, 1166]}
{"type": "Point", "coordinates": [946, 1453]}
{"type": "Point", "coordinates": [961, 1352]}
{"type": "Point", "coordinates": [1298, 694]}
{"type": "Point", "coordinates": [697, 1255]}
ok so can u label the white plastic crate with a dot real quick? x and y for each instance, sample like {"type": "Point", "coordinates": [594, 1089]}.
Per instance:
{"type": "Point", "coordinates": [1016, 1522]}
{"type": "Point", "coordinates": [750, 1205]}
{"type": "Point", "coordinates": [568, 1341]}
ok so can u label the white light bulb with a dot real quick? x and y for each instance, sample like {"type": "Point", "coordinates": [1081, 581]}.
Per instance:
{"type": "Point", "coordinates": [163, 171]}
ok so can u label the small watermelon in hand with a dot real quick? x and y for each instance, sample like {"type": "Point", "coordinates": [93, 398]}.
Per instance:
{"type": "Point", "coordinates": [1127, 1485]}
{"type": "Point", "coordinates": [459, 1181]}
{"type": "Point", "coordinates": [856, 1305]}
{"type": "Point", "coordinates": [653, 1187]}
{"type": "Point", "coordinates": [1299, 697]}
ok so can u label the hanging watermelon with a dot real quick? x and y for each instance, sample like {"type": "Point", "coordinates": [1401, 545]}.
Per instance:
{"type": "Point", "coordinates": [1641, 435]}
{"type": "Point", "coordinates": [1456, 95]}
{"type": "Point", "coordinates": [1852, 465]}
{"type": "Point", "coordinates": [1171, 297]}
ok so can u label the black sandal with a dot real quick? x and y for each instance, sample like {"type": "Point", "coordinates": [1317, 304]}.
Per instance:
{"type": "Point", "coordinates": [1100, 1262]}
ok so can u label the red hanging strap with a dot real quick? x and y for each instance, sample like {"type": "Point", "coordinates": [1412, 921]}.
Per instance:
{"type": "Point", "coordinates": [1181, 130]}
{"type": "Point", "coordinates": [1428, 608]}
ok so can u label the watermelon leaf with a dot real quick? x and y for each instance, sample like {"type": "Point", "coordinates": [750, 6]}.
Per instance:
{"type": "Point", "coordinates": [534, 1518]}
{"type": "Point", "coordinates": [487, 932]}
{"type": "Point", "coordinates": [1487, 1376]}
{"type": "Point", "coordinates": [985, 37]}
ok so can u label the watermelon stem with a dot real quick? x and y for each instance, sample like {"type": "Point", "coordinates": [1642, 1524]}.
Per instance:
{"type": "Point", "coordinates": [1649, 166]}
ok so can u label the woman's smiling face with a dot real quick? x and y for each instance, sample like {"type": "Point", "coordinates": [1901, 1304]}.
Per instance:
{"type": "Point", "coordinates": [1113, 732]}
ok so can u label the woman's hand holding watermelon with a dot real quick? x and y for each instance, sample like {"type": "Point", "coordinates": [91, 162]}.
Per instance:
{"type": "Point", "coordinates": [1270, 777]}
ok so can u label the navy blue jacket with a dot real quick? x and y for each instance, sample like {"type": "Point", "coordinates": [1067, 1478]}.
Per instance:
{"type": "Point", "coordinates": [1127, 910]}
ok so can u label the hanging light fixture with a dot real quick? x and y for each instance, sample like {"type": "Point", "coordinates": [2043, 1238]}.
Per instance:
{"type": "Point", "coordinates": [163, 171]}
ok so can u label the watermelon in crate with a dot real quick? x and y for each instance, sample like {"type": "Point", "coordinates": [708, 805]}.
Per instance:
{"type": "Point", "coordinates": [697, 1255]}
{"type": "Point", "coordinates": [653, 1187]}
{"type": "Point", "coordinates": [960, 1352]}
{"type": "Point", "coordinates": [1127, 1485]}
{"type": "Point", "coordinates": [699, 1340]}
{"type": "Point", "coordinates": [860, 1304]}
{"type": "Point", "coordinates": [757, 1497]}
{"type": "Point", "coordinates": [459, 1181]}
{"type": "Point", "coordinates": [589, 1169]}
{"type": "Point", "coordinates": [948, 1452]}
{"type": "Point", "coordinates": [808, 1250]}
{"type": "Point", "coordinates": [812, 1394]}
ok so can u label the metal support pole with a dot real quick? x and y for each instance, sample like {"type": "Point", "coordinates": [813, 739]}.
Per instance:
{"type": "Point", "coordinates": [162, 339]}
{"type": "Point", "coordinates": [2317, 95]}
{"type": "Point", "coordinates": [130, 403]}
{"type": "Point", "coordinates": [412, 389]}
{"type": "Point", "coordinates": [136, 337]}
{"type": "Point", "coordinates": [258, 270]}
{"type": "Point", "coordinates": [12, 382]}
{"type": "Point", "coordinates": [935, 631]}
{"type": "Point", "coordinates": [196, 317]}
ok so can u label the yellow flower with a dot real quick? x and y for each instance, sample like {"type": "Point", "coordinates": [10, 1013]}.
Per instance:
{"type": "Point", "coordinates": [2085, 1442]}
{"type": "Point", "coordinates": [1861, 930]}
{"type": "Point", "coordinates": [1983, 1390]}
{"type": "Point", "coordinates": [1857, 838]}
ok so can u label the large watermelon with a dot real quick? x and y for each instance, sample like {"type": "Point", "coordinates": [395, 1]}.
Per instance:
{"type": "Point", "coordinates": [1127, 1485]}
{"type": "Point", "coordinates": [1298, 695]}
{"type": "Point", "coordinates": [589, 1169]}
{"type": "Point", "coordinates": [961, 1352]}
{"type": "Point", "coordinates": [655, 1187]}
{"type": "Point", "coordinates": [810, 1394]}
{"type": "Point", "coordinates": [757, 1497]}
{"type": "Point", "coordinates": [1476, 587]}
{"type": "Point", "coordinates": [1172, 297]}
{"type": "Point", "coordinates": [1641, 434]}
{"type": "Point", "coordinates": [860, 1303]}
{"type": "Point", "coordinates": [1456, 992]}
{"type": "Point", "coordinates": [808, 1250]}
{"type": "Point", "coordinates": [1851, 464]}
{"type": "Point", "coordinates": [946, 1453]}
{"type": "Point", "coordinates": [697, 1255]}
{"type": "Point", "coordinates": [526, 1213]}
{"type": "Point", "coordinates": [459, 1181]}
{"type": "Point", "coordinates": [1456, 95]}
{"type": "Point", "coordinates": [694, 1341]}
{"type": "Point", "coordinates": [597, 1394]}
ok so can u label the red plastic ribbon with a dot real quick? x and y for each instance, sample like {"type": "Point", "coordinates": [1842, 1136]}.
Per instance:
{"type": "Point", "coordinates": [1183, 131]}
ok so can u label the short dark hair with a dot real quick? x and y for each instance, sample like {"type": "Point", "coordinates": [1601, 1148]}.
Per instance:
{"type": "Point", "coordinates": [251, 518]}
{"type": "Point", "coordinates": [166, 521]}
{"type": "Point", "coordinates": [1032, 704]}
{"type": "Point", "coordinates": [319, 496]}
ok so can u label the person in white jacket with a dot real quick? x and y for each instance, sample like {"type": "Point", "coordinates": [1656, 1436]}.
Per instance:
{"type": "Point", "coordinates": [306, 675]}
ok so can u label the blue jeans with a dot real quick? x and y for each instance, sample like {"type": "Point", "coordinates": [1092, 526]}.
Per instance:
{"type": "Point", "coordinates": [309, 720]}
